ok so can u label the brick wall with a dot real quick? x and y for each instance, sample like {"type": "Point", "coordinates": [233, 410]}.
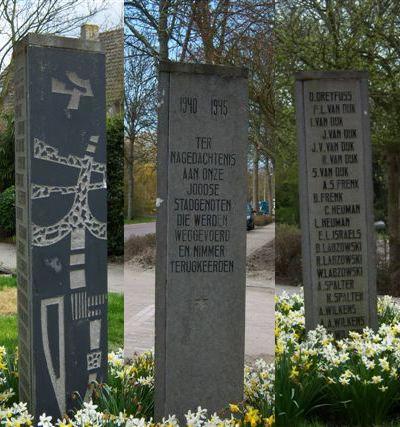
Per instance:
{"type": "Point", "coordinates": [113, 45]}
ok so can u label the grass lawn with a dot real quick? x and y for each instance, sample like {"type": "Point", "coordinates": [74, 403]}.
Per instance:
{"type": "Point", "coordinates": [115, 321]}
{"type": "Point", "coordinates": [7, 282]}
{"type": "Point", "coordinates": [140, 219]}
{"type": "Point", "coordinates": [8, 323]}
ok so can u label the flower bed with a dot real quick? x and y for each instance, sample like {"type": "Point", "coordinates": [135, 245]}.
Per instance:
{"type": "Point", "coordinates": [354, 381]}
{"type": "Point", "coordinates": [128, 398]}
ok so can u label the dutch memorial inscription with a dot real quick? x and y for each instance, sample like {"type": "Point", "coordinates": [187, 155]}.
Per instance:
{"type": "Point", "coordinates": [339, 270]}
{"type": "Point", "coordinates": [60, 157]}
{"type": "Point", "coordinates": [201, 237]}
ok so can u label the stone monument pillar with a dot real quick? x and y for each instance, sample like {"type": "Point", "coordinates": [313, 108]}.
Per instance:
{"type": "Point", "coordinates": [60, 158]}
{"type": "Point", "coordinates": [336, 201]}
{"type": "Point", "coordinates": [201, 237]}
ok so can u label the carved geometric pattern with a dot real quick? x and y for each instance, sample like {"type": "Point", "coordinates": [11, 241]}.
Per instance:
{"type": "Point", "coordinates": [79, 216]}
{"type": "Point", "coordinates": [93, 360]}
{"type": "Point", "coordinates": [81, 305]}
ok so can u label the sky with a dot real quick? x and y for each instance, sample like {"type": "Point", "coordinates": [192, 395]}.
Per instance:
{"type": "Point", "coordinates": [109, 18]}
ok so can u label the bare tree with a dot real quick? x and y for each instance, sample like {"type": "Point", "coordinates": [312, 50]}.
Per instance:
{"type": "Point", "coordinates": [140, 118]}
{"type": "Point", "coordinates": [20, 17]}
{"type": "Point", "coordinates": [192, 30]}
{"type": "Point", "coordinates": [153, 27]}
{"type": "Point", "coordinates": [212, 31]}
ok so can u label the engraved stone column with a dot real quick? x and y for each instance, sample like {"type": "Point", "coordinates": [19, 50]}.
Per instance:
{"type": "Point", "coordinates": [201, 237]}
{"type": "Point", "coordinates": [336, 195]}
{"type": "Point", "coordinates": [60, 157]}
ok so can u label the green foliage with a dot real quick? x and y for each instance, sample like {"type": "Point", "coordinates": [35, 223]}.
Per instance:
{"type": "Point", "coordinates": [8, 332]}
{"type": "Point", "coordinates": [295, 401]}
{"type": "Point", "coordinates": [351, 400]}
{"type": "Point", "coordinates": [115, 185]}
{"type": "Point", "coordinates": [115, 321]}
{"type": "Point", "coordinates": [336, 35]}
{"type": "Point", "coordinates": [129, 389]}
{"type": "Point", "coordinates": [140, 219]}
{"type": "Point", "coordinates": [7, 212]}
{"type": "Point", "coordinates": [7, 282]}
{"type": "Point", "coordinates": [286, 182]}
{"type": "Point", "coordinates": [349, 382]}
{"type": "Point", "coordinates": [8, 376]}
{"type": "Point", "coordinates": [7, 170]}
{"type": "Point", "coordinates": [287, 203]}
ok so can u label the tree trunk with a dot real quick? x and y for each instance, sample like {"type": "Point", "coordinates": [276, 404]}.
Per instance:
{"type": "Point", "coordinates": [163, 30]}
{"type": "Point", "coordinates": [130, 183]}
{"type": "Point", "coordinates": [266, 195]}
{"type": "Point", "coordinates": [271, 193]}
{"type": "Point", "coordinates": [130, 192]}
{"type": "Point", "coordinates": [394, 221]}
{"type": "Point", "coordinates": [256, 161]}
{"type": "Point", "coordinates": [270, 186]}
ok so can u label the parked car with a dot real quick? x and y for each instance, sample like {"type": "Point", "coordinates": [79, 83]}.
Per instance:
{"type": "Point", "coordinates": [263, 206]}
{"type": "Point", "coordinates": [250, 217]}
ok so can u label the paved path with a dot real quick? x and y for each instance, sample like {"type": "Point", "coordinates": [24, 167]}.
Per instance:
{"type": "Point", "coordinates": [259, 237]}
{"type": "Point", "coordinates": [8, 257]}
{"type": "Point", "coordinates": [115, 271]}
{"type": "Point", "coordinates": [139, 316]}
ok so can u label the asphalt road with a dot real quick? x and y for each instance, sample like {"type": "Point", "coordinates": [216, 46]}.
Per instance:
{"type": "Point", "coordinates": [139, 229]}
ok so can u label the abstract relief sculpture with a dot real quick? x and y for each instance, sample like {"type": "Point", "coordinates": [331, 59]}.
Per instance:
{"type": "Point", "coordinates": [61, 221]}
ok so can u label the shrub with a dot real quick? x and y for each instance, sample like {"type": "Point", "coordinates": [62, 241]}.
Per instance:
{"type": "Point", "coordinates": [261, 220]}
{"type": "Point", "coordinates": [288, 253]}
{"type": "Point", "coordinates": [7, 169]}
{"type": "Point", "coordinates": [141, 249]}
{"type": "Point", "coordinates": [7, 212]}
{"type": "Point", "coordinates": [115, 185]}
